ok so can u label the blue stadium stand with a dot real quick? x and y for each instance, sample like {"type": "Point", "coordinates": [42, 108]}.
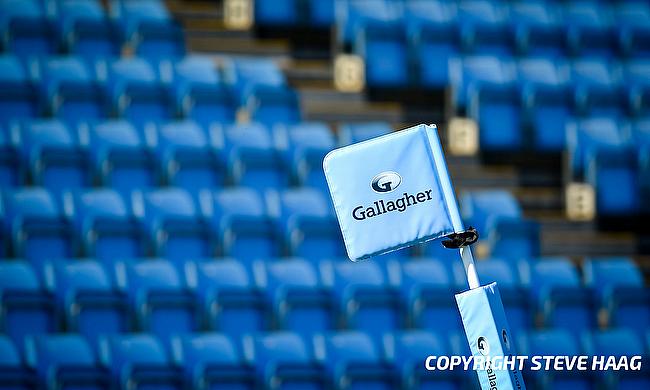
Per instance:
{"type": "Point", "coordinates": [18, 98]}
{"type": "Point", "coordinates": [9, 160]}
{"type": "Point", "coordinates": [637, 79]}
{"type": "Point", "coordinates": [618, 342]}
{"type": "Point", "coordinates": [353, 15]}
{"type": "Point", "coordinates": [299, 300]}
{"type": "Point", "coordinates": [241, 75]}
{"type": "Point", "coordinates": [384, 47]}
{"type": "Point", "coordinates": [597, 84]}
{"type": "Point", "coordinates": [483, 26]}
{"type": "Point", "coordinates": [36, 225]}
{"type": "Point", "coordinates": [513, 238]}
{"type": "Point", "coordinates": [244, 229]}
{"type": "Point", "coordinates": [350, 133]}
{"type": "Point", "coordinates": [176, 227]}
{"type": "Point", "coordinates": [140, 360]}
{"type": "Point", "coordinates": [121, 156]}
{"type": "Point", "coordinates": [271, 105]}
{"type": "Point", "coordinates": [189, 156]}
{"type": "Point", "coordinates": [307, 225]}
{"type": "Point", "coordinates": [160, 297]}
{"type": "Point", "coordinates": [52, 155]}
{"type": "Point", "coordinates": [355, 361]}
{"type": "Point", "coordinates": [229, 296]}
{"type": "Point", "coordinates": [537, 29]}
{"type": "Point", "coordinates": [78, 367]}
{"type": "Point", "coordinates": [25, 29]}
{"type": "Point", "coordinates": [364, 297]}
{"type": "Point", "coordinates": [589, 29]}
{"type": "Point", "coordinates": [279, 13]}
{"type": "Point", "coordinates": [633, 31]}
{"type": "Point", "coordinates": [559, 297]}
{"type": "Point", "coordinates": [286, 358]}
{"type": "Point", "coordinates": [619, 289]}
{"type": "Point", "coordinates": [480, 208]}
{"type": "Point", "coordinates": [71, 91]}
{"type": "Point", "coordinates": [491, 101]}
{"type": "Point", "coordinates": [213, 360]}
{"type": "Point", "coordinates": [14, 373]}
{"type": "Point", "coordinates": [26, 298]}
{"type": "Point", "coordinates": [90, 298]}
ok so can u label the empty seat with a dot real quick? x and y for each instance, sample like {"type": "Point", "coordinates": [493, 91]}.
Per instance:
{"type": "Point", "coordinates": [253, 159]}
{"type": "Point", "coordinates": [351, 133]}
{"type": "Point", "coordinates": [609, 169]}
{"type": "Point", "coordinates": [321, 13]}
{"type": "Point", "coordinates": [213, 360]}
{"type": "Point", "coordinates": [537, 28]}
{"type": "Point", "coordinates": [106, 225]}
{"type": "Point", "coordinates": [589, 29]}
{"type": "Point", "coordinates": [27, 302]}
{"type": "Point", "coordinates": [85, 29]}
{"type": "Point", "coordinates": [9, 160]}
{"type": "Point", "coordinates": [355, 361]}
{"type": "Point", "coordinates": [52, 155]}
{"type": "Point", "coordinates": [121, 157]}
{"type": "Point", "coordinates": [352, 15]}
{"type": "Point", "coordinates": [37, 227]}
{"type": "Point", "coordinates": [307, 225]}
{"type": "Point", "coordinates": [90, 298]}
{"type": "Point", "coordinates": [14, 373]}
{"type": "Point", "coordinates": [632, 21]}
{"type": "Point", "coordinates": [280, 14]}
{"type": "Point", "coordinates": [384, 49]}
{"type": "Point", "coordinates": [66, 361]}
{"type": "Point", "coordinates": [471, 72]}
{"type": "Point", "coordinates": [496, 101]}
{"type": "Point", "coordinates": [229, 297]}
{"type": "Point", "coordinates": [176, 226]}
{"type": "Point", "coordinates": [242, 74]}
{"type": "Point", "coordinates": [299, 300]}
{"type": "Point", "coordinates": [597, 84]}
{"type": "Point", "coordinates": [160, 298]}
{"type": "Point", "coordinates": [243, 226]}
{"type": "Point", "coordinates": [189, 157]}
{"type": "Point", "coordinates": [637, 79]}
{"type": "Point", "coordinates": [483, 27]}
{"type": "Point", "coordinates": [513, 238]}
{"type": "Point", "coordinates": [272, 105]}
{"type": "Point", "coordinates": [17, 92]}
{"type": "Point", "coordinates": [25, 29]}
{"type": "Point", "coordinates": [141, 361]}
{"type": "Point", "coordinates": [287, 358]}
{"type": "Point", "coordinates": [480, 208]}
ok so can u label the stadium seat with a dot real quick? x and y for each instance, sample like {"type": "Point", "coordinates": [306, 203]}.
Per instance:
{"type": "Point", "coordinates": [286, 358]}
{"type": "Point", "coordinates": [9, 161]}
{"type": "Point", "coordinates": [632, 21]}
{"type": "Point", "coordinates": [484, 28]}
{"type": "Point", "coordinates": [614, 169]}
{"type": "Point", "coordinates": [17, 91]}
{"type": "Point", "coordinates": [597, 87]}
{"type": "Point", "coordinates": [619, 290]}
{"type": "Point", "coordinates": [637, 79]}
{"type": "Point", "coordinates": [351, 133]}
{"type": "Point", "coordinates": [513, 238]}
{"type": "Point", "coordinates": [589, 29]}
{"type": "Point", "coordinates": [14, 373]}
{"type": "Point", "coordinates": [355, 361]}
{"type": "Point", "coordinates": [279, 14]}
{"type": "Point", "coordinates": [559, 297]}
{"type": "Point", "coordinates": [242, 74]}
{"type": "Point", "coordinates": [272, 105]}
{"type": "Point", "coordinates": [177, 228]}
{"type": "Point", "coordinates": [37, 227]}
{"type": "Point", "coordinates": [26, 301]}
{"type": "Point", "coordinates": [25, 29]}
{"type": "Point", "coordinates": [136, 91]}
{"type": "Point", "coordinates": [188, 156]}
{"type": "Point", "coordinates": [71, 90]}
{"type": "Point", "coordinates": [365, 299]}
{"type": "Point", "coordinates": [89, 298]}
{"type": "Point", "coordinates": [121, 157]}
{"type": "Point", "coordinates": [352, 15]}
{"type": "Point", "coordinates": [140, 361]}
{"type": "Point", "coordinates": [294, 290]}
{"type": "Point", "coordinates": [496, 101]}
{"type": "Point", "coordinates": [160, 298]}
{"type": "Point", "coordinates": [253, 159]}
{"type": "Point", "coordinates": [427, 290]}
{"type": "Point", "coordinates": [213, 360]}
{"type": "Point", "coordinates": [229, 297]}
{"type": "Point", "coordinates": [480, 208]}
{"type": "Point", "coordinates": [537, 29]}
{"type": "Point", "coordinates": [244, 228]}
{"type": "Point", "coordinates": [384, 49]}
{"type": "Point", "coordinates": [322, 12]}
{"type": "Point", "coordinates": [85, 29]}
{"type": "Point", "coordinates": [66, 361]}
{"type": "Point", "coordinates": [407, 351]}
{"type": "Point", "coordinates": [471, 72]}
{"type": "Point", "coordinates": [307, 225]}
{"type": "Point", "coordinates": [52, 155]}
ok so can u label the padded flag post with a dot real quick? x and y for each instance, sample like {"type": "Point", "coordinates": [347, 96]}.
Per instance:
{"type": "Point", "coordinates": [394, 191]}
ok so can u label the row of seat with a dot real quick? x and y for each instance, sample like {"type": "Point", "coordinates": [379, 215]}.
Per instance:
{"type": "Point", "coordinates": [165, 297]}
{"type": "Point", "coordinates": [138, 90]}
{"type": "Point", "coordinates": [43, 27]}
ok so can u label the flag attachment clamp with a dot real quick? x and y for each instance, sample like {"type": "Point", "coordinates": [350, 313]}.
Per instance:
{"type": "Point", "coordinates": [461, 239]}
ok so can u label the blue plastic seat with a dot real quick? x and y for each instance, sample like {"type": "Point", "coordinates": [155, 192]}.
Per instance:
{"type": "Point", "coordinates": [121, 156]}
{"type": "Point", "coordinates": [353, 15]}
{"type": "Point", "coordinates": [177, 228]}
{"type": "Point", "coordinates": [480, 208]}
{"type": "Point", "coordinates": [637, 80]}
{"type": "Point", "coordinates": [307, 145]}
{"type": "Point", "coordinates": [140, 360]}
{"type": "Point", "coordinates": [355, 361]}
{"type": "Point", "coordinates": [632, 21]}
{"type": "Point", "coordinates": [427, 289]}
{"type": "Point", "coordinates": [53, 155]}
{"type": "Point", "coordinates": [160, 298]}
{"type": "Point", "coordinates": [471, 72]}
{"type": "Point", "coordinates": [229, 297]}
{"type": "Point", "coordinates": [619, 289]}
{"type": "Point", "coordinates": [598, 90]}
{"type": "Point", "coordinates": [300, 302]}
{"type": "Point", "coordinates": [496, 101]}
{"type": "Point", "coordinates": [242, 74]}
{"type": "Point", "coordinates": [200, 92]}
{"type": "Point", "coordinates": [589, 28]}
{"type": "Point", "coordinates": [513, 238]}
{"type": "Point", "coordinates": [614, 176]}
{"type": "Point", "coordinates": [286, 357]}
{"type": "Point", "coordinates": [537, 28]}
{"type": "Point", "coordinates": [559, 297]}
{"type": "Point", "coordinates": [308, 226]}
{"type": "Point", "coordinates": [37, 227]}
{"type": "Point", "coordinates": [272, 105]}
{"type": "Point", "coordinates": [322, 13]}
{"type": "Point", "coordinates": [384, 49]}
{"type": "Point", "coordinates": [351, 133]}
{"type": "Point", "coordinates": [253, 159]}
{"type": "Point", "coordinates": [27, 303]}
{"type": "Point", "coordinates": [17, 92]}
{"type": "Point", "coordinates": [71, 90]}
{"type": "Point", "coordinates": [90, 299]}
{"type": "Point", "coordinates": [188, 156]}
{"type": "Point", "coordinates": [213, 360]}
{"type": "Point", "coordinates": [640, 134]}
{"type": "Point", "coordinates": [85, 29]}
{"type": "Point", "coordinates": [136, 91]}
{"type": "Point", "coordinates": [365, 299]}
{"type": "Point", "coordinates": [25, 29]}
{"type": "Point", "coordinates": [14, 373]}
{"type": "Point", "coordinates": [280, 13]}
{"type": "Point", "coordinates": [483, 27]}
{"type": "Point", "coordinates": [9, 160]}
{"type": "Point", "coordinates": [244, 228]}
{"type": "Point", "coordinates": [66, 361]}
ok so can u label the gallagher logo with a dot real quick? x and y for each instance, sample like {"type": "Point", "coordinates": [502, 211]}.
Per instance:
{"type": "Point", "coordinates": [386, 182]}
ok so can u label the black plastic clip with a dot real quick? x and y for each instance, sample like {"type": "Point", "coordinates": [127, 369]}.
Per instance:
{"type": "Point", "coordinates": [458, 240]}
